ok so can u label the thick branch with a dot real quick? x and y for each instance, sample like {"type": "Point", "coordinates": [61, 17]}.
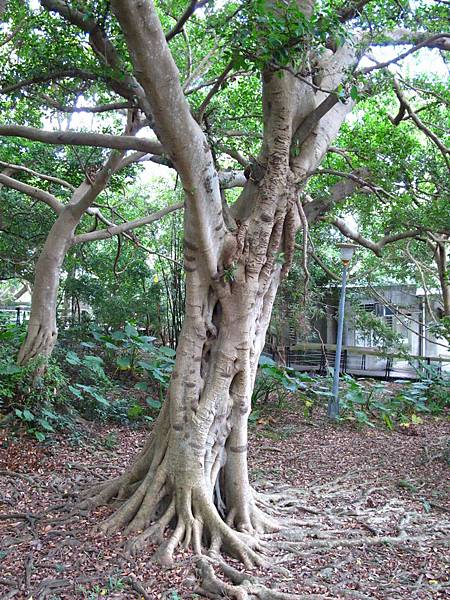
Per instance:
{"type": "Point", "coordinates": [352, 10]}
{"type": "Point", "coordinates": [232, 179]}
{"type": "Point", "coordinates": [126, 85]}
{"type": "Point", "coordinates": [376, 247]}
{"type": "Point", "coordinates": [78, 138]}
{"type": "Point", "coordinates": [104, 234]}
{"type": "Point", "coordinates": [88, 191]}
{"type": "Point", "coordinates": [237, 156]}
{"type": "Point", "coordinates": [32, 191]}
{"type": "Point", "coordinates": [138, 157]}
{"type": "Point", "coordinates": [178, 27]}
{"type": "Point", "coordinates": [180, 134]}
{"type": "Point", "coordinates": [338, 192]}
{"type": "Point", "coordinates": [309, 123]}
{"type": "Point", "coordinates": [160, 80]}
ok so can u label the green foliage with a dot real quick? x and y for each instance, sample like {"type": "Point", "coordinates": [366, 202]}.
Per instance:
{"type": "Point", "coordinates": [122, 355]}
{"type": "Point", "coordinates": [383, 336]}
{"type": "Point", "coordinates": [371, 404]}
{"type": "Point", "coordinates": [366, 403]}
{"type": "Point", "coordinates": [230, 273]}
{"type": "Point", "coordinates": [134, 354]}
{"type": "Point", "coordinates": [31, 399]}
{"type": "Point", "coordinates": [278, 33]}
{"type": "Point", "coordinates": [441, 328]}
{"type": "Point", "coordinates": [276, 381]}
{"type": "Point", "coordinates": [83, 382]}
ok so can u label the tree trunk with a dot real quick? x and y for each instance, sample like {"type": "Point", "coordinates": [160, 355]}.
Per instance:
{"type": "Point", "coordinates": [42, 331]}
{"type": "Point", "coordinates": [194, 466]}
{"type": "Point", "coordinates": [444, 280]}
{"type": "Point", "coordinates": [193, 470]}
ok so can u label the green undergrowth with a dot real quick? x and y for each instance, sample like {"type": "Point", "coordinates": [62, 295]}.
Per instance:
{"type": "Point", "coordinates": [365, 403]}
{"type": "Point", "coordinates": [116, 376]}
{"type": "Point", "coordinates": [122, 376]}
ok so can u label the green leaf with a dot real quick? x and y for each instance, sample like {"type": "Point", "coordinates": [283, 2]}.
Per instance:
{"type": "Point", "coordinates": [142, 386]}
{"type": "Point", "coordinates": [27, 415]}
{"type": "Point", "coordinates": [88, 345]}
{"type": "Point", "coordinates": [45, 424]}
{"type": "Point", "coordinates": [166, 351]}
{"type": "Point", "coordinates": [118, 335]}
{"type": "Point", "coordinates": [265, 360]}
{"type": "Point", "coordinates": [10, 369]}
{"type": "Point", "coordinates": [146, 365]}
{"type": "Point", "coordinates": [111, 346]}
{"type": "Point", "coordinates": [93, 391]}
{"type": "Point", "coordinates": [153, 402]}
{"type": "Point", "coordinates": [39, 436]}
{"type": "Point", "coordinates": [92, 361]}
{"type": "Point", "coordinates": [73, 358]}
{"type": "Point", "coordinates": [131, 331]}
{"type": "Point", "coordinates": [135, 411]}
{"type": "Point", "coordinates": [124, 363]}
{"type": "Point", "coordinates": [76, 392]}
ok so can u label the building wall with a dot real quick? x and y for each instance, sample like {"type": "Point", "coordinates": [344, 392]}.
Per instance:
{"type": "Point", "coordinates": [403, 311]}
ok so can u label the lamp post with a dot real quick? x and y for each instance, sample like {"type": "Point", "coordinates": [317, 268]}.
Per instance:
{"type": "Point", "coordinates": [347, 251]}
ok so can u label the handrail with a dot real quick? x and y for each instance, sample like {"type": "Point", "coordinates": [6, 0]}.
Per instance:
{"type": "Point", "coordinates": [366, 351]}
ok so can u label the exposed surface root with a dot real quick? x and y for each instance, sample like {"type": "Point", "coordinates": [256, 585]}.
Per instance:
{"type": "Point", "coordinates": [40, 341]}
{"type": "Point", "coordinates": [153, 507]}
{"type": "Point", "coordinates": [243, 587]}
{"type": "Point", "coordinates": [349, 532]}
{"type": "Point", "coordinates": [289, 525]}
{"type": "Point", "coordinates": [323, 532]}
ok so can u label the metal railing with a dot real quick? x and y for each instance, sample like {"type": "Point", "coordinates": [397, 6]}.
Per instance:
{"type": "Point", "coordinates": [15, 314]}
{"type": "Point", "coordinates": [358, 361]}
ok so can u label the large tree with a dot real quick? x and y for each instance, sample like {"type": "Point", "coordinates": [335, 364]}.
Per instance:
{"type": "Point", "coordinates": [291, 71]}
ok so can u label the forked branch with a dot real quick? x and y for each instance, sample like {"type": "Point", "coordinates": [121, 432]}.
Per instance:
{"type": "Point", "coordinates": [375, 247]}
{"type": "Point", "coordinates": [109, 232]}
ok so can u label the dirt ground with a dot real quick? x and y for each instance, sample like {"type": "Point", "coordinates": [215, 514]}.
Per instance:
{"type": "Point", "coordinates": [369, 515]}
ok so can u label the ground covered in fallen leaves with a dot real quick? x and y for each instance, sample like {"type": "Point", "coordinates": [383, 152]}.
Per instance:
{"type": "Point", "coordinates": [369, 510]}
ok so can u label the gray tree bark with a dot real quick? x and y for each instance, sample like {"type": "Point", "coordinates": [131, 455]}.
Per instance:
{"type": "Point", "coordinates": [193, 470]}
{"type": "Point", "coordinates": [42, 328]}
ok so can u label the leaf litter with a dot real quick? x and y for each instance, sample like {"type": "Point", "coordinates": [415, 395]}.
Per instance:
{"type": "Point", "coordinates": [367, 512]}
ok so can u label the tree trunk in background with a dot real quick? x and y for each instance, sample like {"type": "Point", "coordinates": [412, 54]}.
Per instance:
{"type": "Point", "coordinates": [444, 278]}
{"type": "Point", "coordinates": [42, 331]}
